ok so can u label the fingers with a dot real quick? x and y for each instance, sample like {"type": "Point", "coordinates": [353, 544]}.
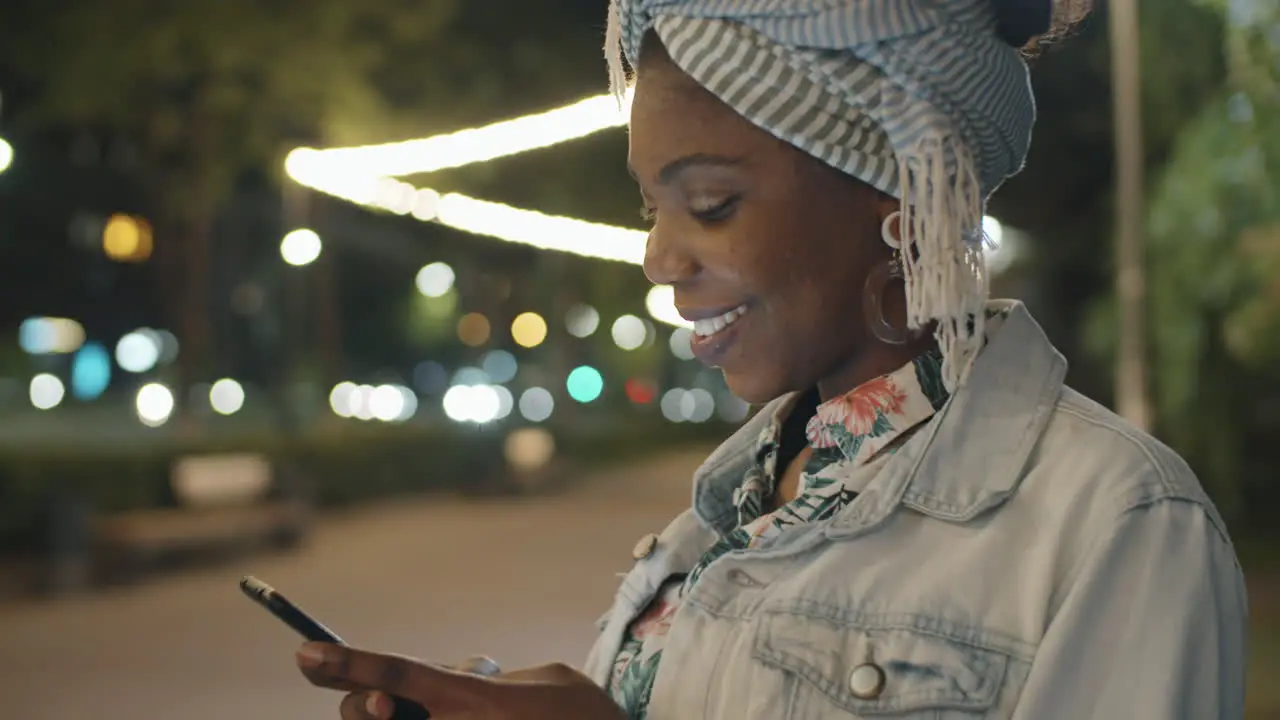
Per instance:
{"type": "Point", "coordinates": [366, 706]}
{"type": "Point", "coordinates": [332, 666]}
{"type": "Point", "coordinates": [316, 675]}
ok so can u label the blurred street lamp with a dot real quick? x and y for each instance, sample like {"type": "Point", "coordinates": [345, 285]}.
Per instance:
{"type": "Point", "coordinates": [6, 155]}
{"type": "Point", "coordinates": [301, 247]}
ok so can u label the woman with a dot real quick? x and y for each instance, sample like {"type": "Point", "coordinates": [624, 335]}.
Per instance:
{"type": "Point", "coordinates": [922, 521]}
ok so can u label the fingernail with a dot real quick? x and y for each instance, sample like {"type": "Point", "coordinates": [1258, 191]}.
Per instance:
{"type": "Point", "coordinates": [310, 656]}
{"type": "Point", "coordinates": [376, 705]}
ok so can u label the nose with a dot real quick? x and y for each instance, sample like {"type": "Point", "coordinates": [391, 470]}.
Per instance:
{"type": "Point", "coordinates": [666, 260]}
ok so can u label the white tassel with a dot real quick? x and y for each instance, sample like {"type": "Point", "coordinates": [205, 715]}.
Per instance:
{"type": "Point", "coordinates": [613, 54]}
{"type": "Point", "coordinates": [945, 277]}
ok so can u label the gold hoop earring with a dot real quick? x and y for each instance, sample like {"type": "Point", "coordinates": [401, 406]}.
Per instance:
{"type": "Point", "coordinates": [878, 281]}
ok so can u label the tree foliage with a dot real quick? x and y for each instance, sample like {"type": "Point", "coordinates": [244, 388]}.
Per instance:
{"type": "Point", "coordinates": [209, 89]}
{"type": "Point", "coordinates": [1214, 257]}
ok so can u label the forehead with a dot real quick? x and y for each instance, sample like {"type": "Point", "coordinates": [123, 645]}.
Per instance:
{"type": "Point", "coordinates": [673, 116]}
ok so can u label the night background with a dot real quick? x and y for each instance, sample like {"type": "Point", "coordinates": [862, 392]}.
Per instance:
{"type": "Point", "coordinates": [237, 332]}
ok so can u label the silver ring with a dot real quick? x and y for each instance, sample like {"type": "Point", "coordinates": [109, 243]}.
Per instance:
{"type": "Point", "coordinates": [480, 665]}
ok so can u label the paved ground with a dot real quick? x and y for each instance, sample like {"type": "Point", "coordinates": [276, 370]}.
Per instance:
{"type": "Point", "coordinates": [436, 579]}
{"type": "Point", "coordinates": [521, 581]}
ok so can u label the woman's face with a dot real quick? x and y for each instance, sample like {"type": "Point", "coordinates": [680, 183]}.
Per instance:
{"type": "Point", "coordinates": [767, 248]}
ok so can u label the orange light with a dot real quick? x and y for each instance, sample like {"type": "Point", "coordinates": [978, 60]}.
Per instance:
{"type": "Point", "coordinates": [127, 239]}
{"type": "Point", "coordinates": [473, 329]}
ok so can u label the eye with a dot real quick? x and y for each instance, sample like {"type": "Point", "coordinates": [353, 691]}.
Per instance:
{"type": "Point", "coordinates": [715, 212]}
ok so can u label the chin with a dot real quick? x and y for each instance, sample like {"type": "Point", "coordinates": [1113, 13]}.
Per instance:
{"type": "Point", "coordinates": [754, 389]}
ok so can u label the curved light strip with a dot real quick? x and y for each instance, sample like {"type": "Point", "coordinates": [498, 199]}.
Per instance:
{"type": "Point", "coordinates": [527, 227]}
{"type": "Point", "coordinates": [365, 175]}
{"type": "Point", "coordinates": [465, 147]}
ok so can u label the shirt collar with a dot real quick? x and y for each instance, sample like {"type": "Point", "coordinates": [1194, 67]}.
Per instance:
{"type": "Point", "coordinates": [971, 460]}
{"type": "Point", "coordinates": [865, 420]}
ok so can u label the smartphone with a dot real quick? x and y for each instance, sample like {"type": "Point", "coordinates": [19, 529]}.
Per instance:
{"type": "Point", "coordinates": [312, 630]}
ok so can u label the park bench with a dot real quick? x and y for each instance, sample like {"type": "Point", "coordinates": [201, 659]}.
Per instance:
{"type": "Point", "coordinates": [227, 505]}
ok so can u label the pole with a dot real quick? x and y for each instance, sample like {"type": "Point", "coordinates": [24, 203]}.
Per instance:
{"type": "Point", "coordinates": [1131, 367]}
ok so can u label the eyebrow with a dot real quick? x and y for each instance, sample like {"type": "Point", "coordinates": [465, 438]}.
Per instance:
{"type": "Point", "coordinates": [673, 169]}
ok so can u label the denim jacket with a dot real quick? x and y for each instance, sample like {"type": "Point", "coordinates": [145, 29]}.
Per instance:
{"type": "Point", "coordinates": [1026, 555]}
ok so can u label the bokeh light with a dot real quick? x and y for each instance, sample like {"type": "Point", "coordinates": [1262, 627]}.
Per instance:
{"type": "Point", "coordinates": [46, 391]}
{"type": "Point", "coordinates": [472, 403]}
{"type": "Point", "coordinates": [499, 366]}
{"type": "Point", "coordinates": [661, 304]}
{"type": "Point", "coordinates": [301, 247]}
{"type": "Point", "coordinates": [361, 408]}
{"type": "Point", "coordinates": [6, 155]}
{"type": "Point", "coordinates": [681, 405]}
{"type": "Point", "coordinates": [529, 329]}
{"type": "Point", "coordinates": [641, 392]}
{"type": "Point", "coordinates": [90, 371]}
{"type": "Point", "coordinates": [139, 351]}
{"type": "Point", "coordinates": [50, 336]}
{"type": "Point", "coordinates": [682, 343]}
{"type": "Point", "coordinates": [409, 407]}
{"type": "Point", "coordinates": [226, 397]}
{"type": "Point", "coordinates": [340, 399]}
{"type": "Point", "coordinates": [506, 402]}
{"type": "Point", "coordinates": [584, 384]}
{"type": "Point", "coordinates": [126, 238]}
{"type": "Point", "coordinates": [387, 403]}
{"type": "Point", "coordinates": [470, 376]}
{"type": "Point", "coordinates": [537, 404]}
{"type": "Point", "coordinates": [629, 332]}
{"type": "Point", "coordinates": [473, 329]}
{"type": "Point", "coordinates": [528, 449]}
{"type": "Point", "coordinates": [582, 321]}
{"type": "Point", "coordinates": [435, 280]}
{"type": "Point", "coordinates": [154, 404]}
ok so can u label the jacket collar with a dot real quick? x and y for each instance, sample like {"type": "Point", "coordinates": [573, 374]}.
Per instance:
{"type": "Point", "coordinates": [968, 459]}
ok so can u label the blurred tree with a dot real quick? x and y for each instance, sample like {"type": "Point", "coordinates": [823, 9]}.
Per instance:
{"type": "Point", "coordinates": [1064, 198]}
{"type": "Point", "coordinates": [1214, 256]}
{"type": "Point", "coordinates": [209, 88]}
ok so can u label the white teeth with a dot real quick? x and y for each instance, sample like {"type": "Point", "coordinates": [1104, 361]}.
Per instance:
{"type": "Point", "coordinates": [711, 326]}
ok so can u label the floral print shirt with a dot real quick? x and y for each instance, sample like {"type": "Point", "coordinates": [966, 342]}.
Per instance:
{"type": "Point", "coordinates": [845, 433]}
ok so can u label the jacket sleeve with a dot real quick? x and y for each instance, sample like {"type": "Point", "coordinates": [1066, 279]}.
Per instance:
{"type": "Point", "coordinates": [1152, 628]}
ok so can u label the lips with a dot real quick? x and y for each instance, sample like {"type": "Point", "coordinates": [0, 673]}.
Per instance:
{"type": "Point", "coordinates": [715, 332]}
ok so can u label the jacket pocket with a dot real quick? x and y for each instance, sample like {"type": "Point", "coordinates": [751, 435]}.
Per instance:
{"type": "Point", "coordinates": [876, 666]}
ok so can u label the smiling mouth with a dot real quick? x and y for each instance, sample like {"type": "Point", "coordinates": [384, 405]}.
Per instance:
{"type": "Point", "coordinates": [704, 329]}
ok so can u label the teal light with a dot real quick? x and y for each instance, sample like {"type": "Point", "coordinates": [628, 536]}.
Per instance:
{"type": "Point", "coordinates": [585, 384]}
{"type": "Point", "coordinates": [90, 371]}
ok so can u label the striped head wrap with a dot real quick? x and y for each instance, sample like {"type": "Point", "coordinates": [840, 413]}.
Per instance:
{"type": "Point", "coordinates": [921, 99]}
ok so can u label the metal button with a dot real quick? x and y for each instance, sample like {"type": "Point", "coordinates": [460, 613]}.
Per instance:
{"type": "Point", "coordinates": [866, 682]}
{"type": "Point", "coordinates": [644, 548]}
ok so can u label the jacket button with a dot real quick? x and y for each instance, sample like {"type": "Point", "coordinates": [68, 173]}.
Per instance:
{"type": "Point", "coordinates": [644, 548]}
{"type": "Point", "coordinates": [866, 682]}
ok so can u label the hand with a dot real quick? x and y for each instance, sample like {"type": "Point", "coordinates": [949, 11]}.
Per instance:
{"type": "Point", "coordinates": [545, 693]}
